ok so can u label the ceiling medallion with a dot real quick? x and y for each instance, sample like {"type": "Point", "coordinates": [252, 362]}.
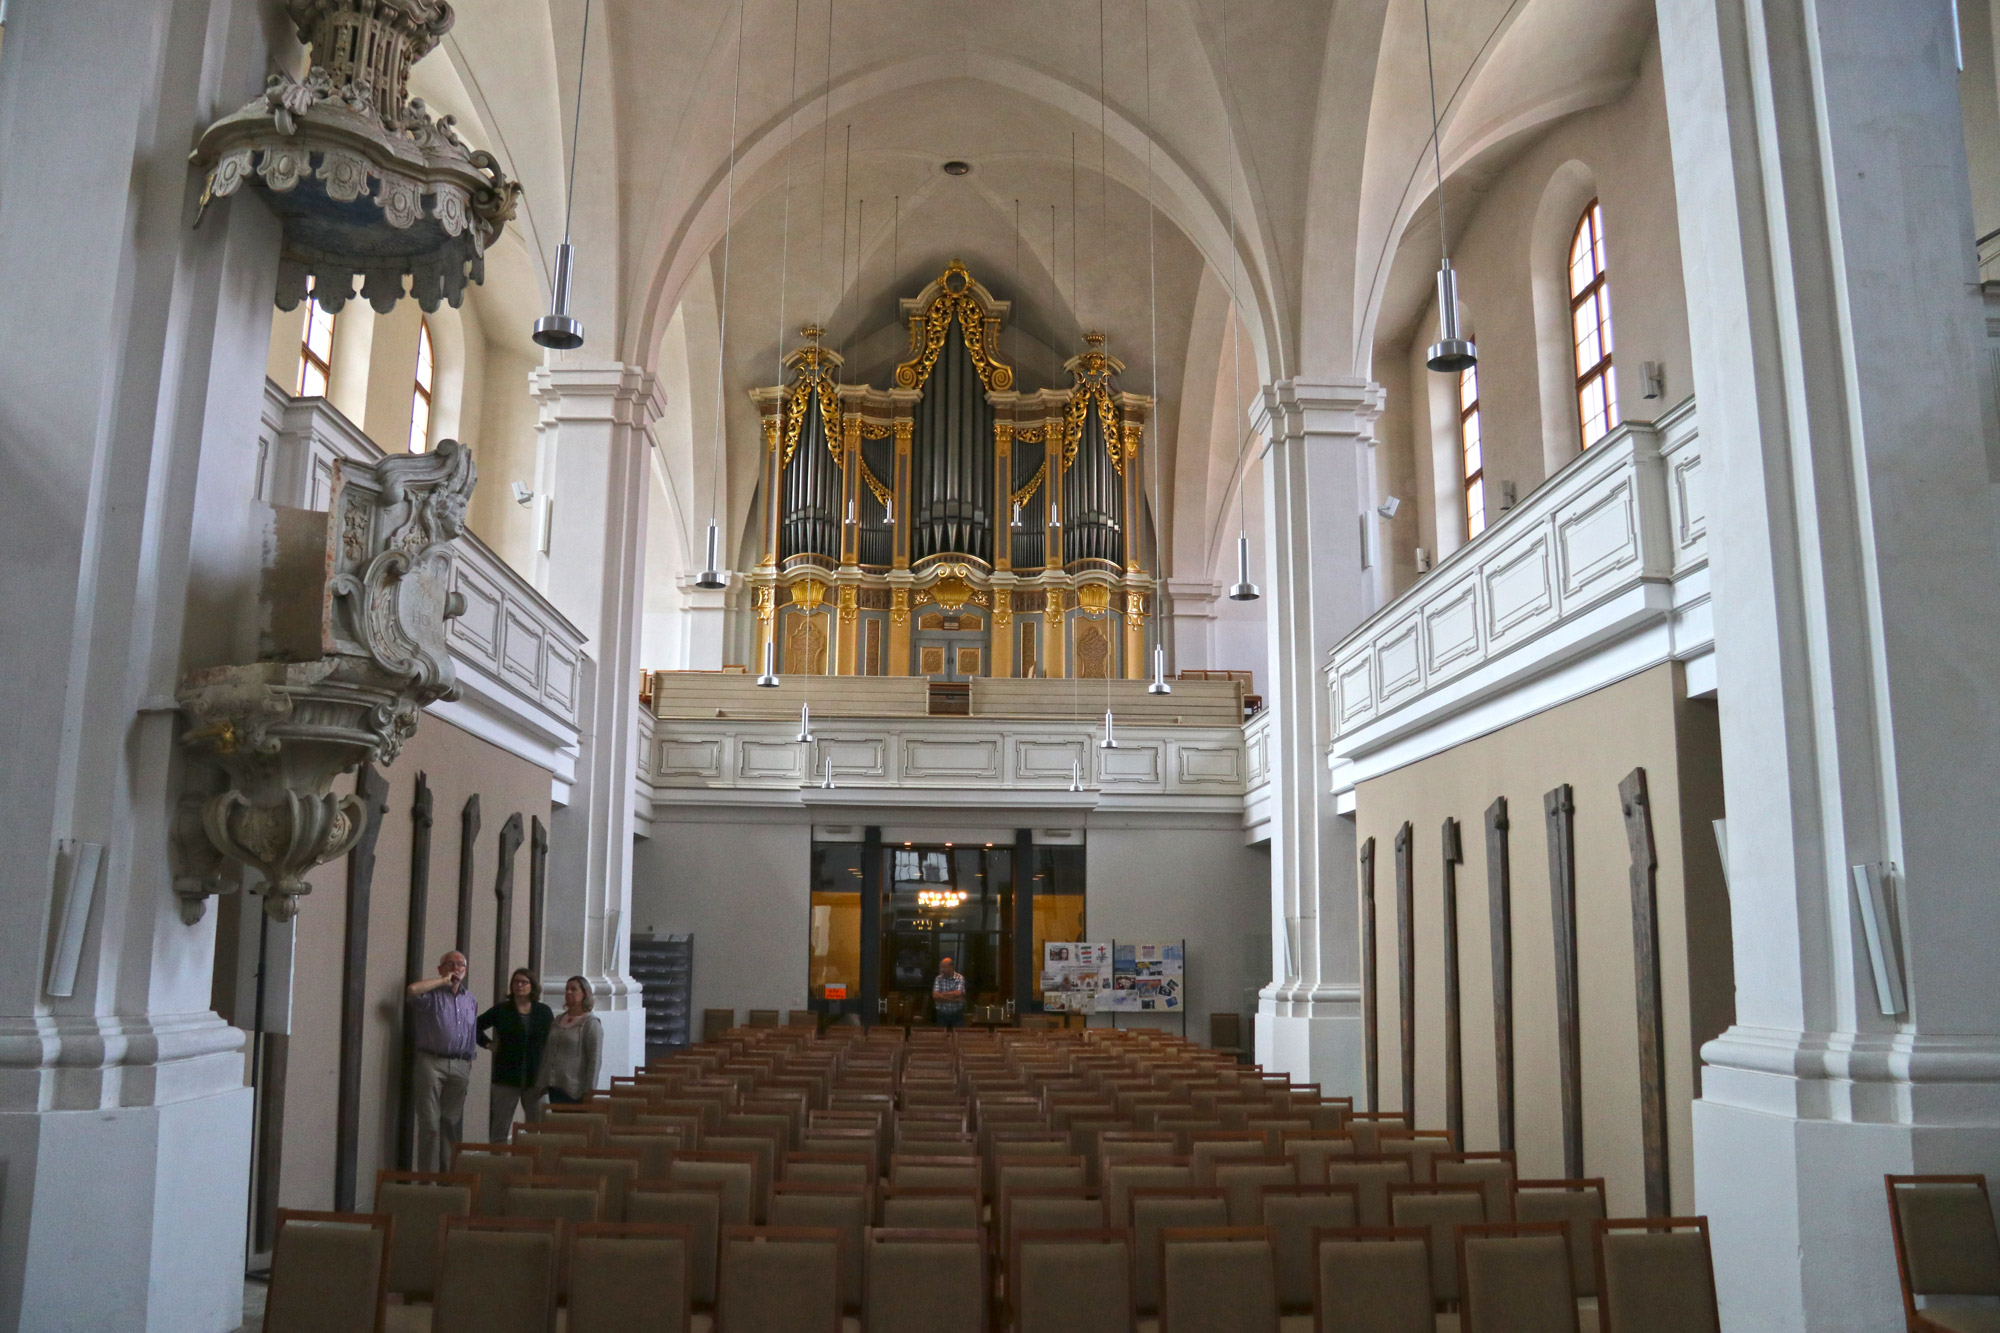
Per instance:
{"type": "Point", "coordinates": [365, 180]}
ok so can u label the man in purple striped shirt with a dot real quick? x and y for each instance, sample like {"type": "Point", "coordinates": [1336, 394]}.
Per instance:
{"type": "Point", "coordinates": [444, 1020]}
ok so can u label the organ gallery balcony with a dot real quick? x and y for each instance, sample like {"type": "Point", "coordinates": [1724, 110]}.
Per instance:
{"type": "Point", "coordinates": [1598, 574]}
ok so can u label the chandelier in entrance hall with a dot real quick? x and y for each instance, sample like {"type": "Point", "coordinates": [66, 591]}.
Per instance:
{"type": "Point", "coordinates": [365, 180]}
{"type": "Point", "coordinates": [956, 525]}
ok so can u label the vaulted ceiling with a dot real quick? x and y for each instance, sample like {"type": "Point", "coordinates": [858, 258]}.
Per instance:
{"type": "Point", "coordinates": [1302, 123]}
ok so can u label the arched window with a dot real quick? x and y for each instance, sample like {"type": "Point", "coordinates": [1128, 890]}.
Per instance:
{"type": "Point", "coordinates": [1590, 322]}
{"type": "Point", "coordinates": [1472, 457]}
{"type": "Point", "coordinates": [420, 399]}
{"type": "Point", "coordinates": [315, 353]}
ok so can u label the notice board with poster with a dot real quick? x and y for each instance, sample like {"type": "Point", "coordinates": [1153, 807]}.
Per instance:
{"type": "Point", "coordinates": [1074, 975]}
{"type": "Point", "coordinates": [1146, 978]}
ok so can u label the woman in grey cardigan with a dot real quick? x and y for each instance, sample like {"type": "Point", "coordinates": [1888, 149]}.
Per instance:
{"type": "Point", "coordinates": [569, 1057]}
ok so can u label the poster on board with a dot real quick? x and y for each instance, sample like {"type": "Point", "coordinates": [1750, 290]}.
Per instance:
{"type": "Point", "coordinates": [1145, 978]}
{"type": "Point", "coordinates": [1074, 975]}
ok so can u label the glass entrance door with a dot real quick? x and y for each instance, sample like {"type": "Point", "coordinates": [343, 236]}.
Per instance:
{"type": "Point", "coordinates": [945, 901]}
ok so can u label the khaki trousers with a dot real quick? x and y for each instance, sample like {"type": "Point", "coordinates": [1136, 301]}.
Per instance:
{"type": "Point", "coordinates": [500, 1113]}
{"type": "Point", "coordinates": [441, 1083]}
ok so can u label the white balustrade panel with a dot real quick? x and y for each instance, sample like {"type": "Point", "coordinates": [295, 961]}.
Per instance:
{"type": "Point", "coordinates": [915, 760]}
{"type": "Point", "coordinates": [1614, 543]}
{"type": "Point", "coordinates": [518, 659]}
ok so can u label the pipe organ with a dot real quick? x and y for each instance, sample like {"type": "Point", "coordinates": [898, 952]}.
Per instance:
{"type": "Point", "coordinates": [951, 525]}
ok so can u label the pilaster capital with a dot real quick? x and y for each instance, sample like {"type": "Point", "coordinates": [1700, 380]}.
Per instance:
{"type": "Point", "coordinates": [1193, 598]}
{"type": "Point", "coordinates": [1300, 409]}
{"type": "Point", "coordinates": [613, 392]}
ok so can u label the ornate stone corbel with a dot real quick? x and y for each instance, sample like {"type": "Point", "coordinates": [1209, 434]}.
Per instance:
{"type": "Point", "coordinates": [355, 608]}
{"type": "Point", "coordinates": [366, 181]}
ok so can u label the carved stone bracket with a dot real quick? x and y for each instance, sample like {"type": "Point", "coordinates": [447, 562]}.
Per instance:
{"type": "Point", "coordinates": [338, 688]}
{"type": "Point", "coordinates": [366, 181]}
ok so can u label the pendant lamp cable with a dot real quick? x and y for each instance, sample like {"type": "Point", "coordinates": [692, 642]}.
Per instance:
{"type": "Point", "coordinates": [1437, 150]}
{"type": "Point", "coordinates": [558, 329]}
{"type": "Point", "coordinates": [1451, 354]}
{"type": "Point", "coordinates": [1159, 685]}
{"type": "Point", "coordinates": [576, 122]}
{"type": "Point", "coordinates": [711, 575]}
{"type": "Point", "coordinates": [1243, 590]}
{"type": "Point", "coordinates": [769, 677]}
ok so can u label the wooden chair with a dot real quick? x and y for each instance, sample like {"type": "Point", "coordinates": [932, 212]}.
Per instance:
{"type": "Point", "coordinates": [1373, 1280]}
{"type": "Point", "coordinates": [1657, 1275]}
{"type": "Point", "coordinates": [329, 1272]}
{"type": "Point", "coordinates": [1515, 1275]}
{"type": "Point", "coordinates": [629, 1278]}
{"type": "Point", "coordinates": [925, 1282]}
{"type": "Point", "coordinates": [1151, 1212]}
{"type": "Point", "coordinates": [419, 1201]}
{"type": "Point", "coordinates": [496, 1275]}
{"type": "Point", "coordinates": [1292, 1213]}
{"type": "Point", "coordinates": [1371, 1178]}
{"type": "Point", "coordinates": [1225, 1034]}
{"type": "Point", "coordinates": [1071, 1282]}
{"type": "Point", "coordinates": [847, 1209]}
{"type": "Point", "coordinates": [1218, 1280]}
{"type": "Point", "coordinates": [1493, 1172]}
{"type": "Point", "coordinates": [929, 1208]}
{"type": "Point", "coordinates": [763, 1018]}
{"type": "Point", "coordinates": [1443, 1209]}
{"type": "Point", "coordinates": [716, 1023]}
{"type": "Point", "coordinates": [696, 1207]}
{"type": "Point", "coordinates": [1579, 1204]}
{"type": "Point", "coordinates": [779, 1280]}
{"type": "Point", "coordinates": [492, 1165]}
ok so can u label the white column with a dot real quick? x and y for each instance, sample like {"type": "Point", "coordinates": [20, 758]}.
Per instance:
{"type": "Point", "coordinates": [1316, 469]}
{"type": "Point", "coordinates": [704, 636]}
{"type": "Point", "coordinates": [594, 460]}
{"type": "Point", "coordinates": [1192, 604]}
{"type": "Point", "coordinates": [131, 381]}
{"type": "Point", "coordinates": [1837, 333]}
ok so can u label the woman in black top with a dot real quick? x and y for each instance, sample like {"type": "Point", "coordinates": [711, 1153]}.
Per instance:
{"type": "Point", "coordinates": [515, 1029]}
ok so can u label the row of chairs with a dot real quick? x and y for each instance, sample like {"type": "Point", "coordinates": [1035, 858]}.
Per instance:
{"type": "Point", "coordinates": [331, 1274]}
{"type": "Point", "coordinates": [1001, 1138]}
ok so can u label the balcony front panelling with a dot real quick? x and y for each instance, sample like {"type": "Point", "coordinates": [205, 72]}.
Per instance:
{"type": "Point", "coordinates": [1133, 763]}
{"type": "Point", "coordinates": [1451, 629]}
{"type": "Point", "coordinates": [1628, 511]}
{"type": "Point", "coordinates": [1207, 766]}
{"type": "Point", "coordinates": [974, 759]}
{"type": "Point", "coordinates": [1354, 680]}
{"type": "Point", "coordinates": [861, 757]}
{"type": "Point", "coordinates": [1044, 759]}
{"type": "Point", "coordinates": [560, 672]}
{"type": "Point", "coordinates": [770, 761]}
{"type": "Point", "coordinates": [1520, 592]}
{"type": "Point", "coordinates": [521, 652]}
{"type": "Point", "coordinates": [1598, 538]}
{"type": "Point", "coordinates": [1399, 663]}
{"type": "Point", "coordinates": [689, 760]}
{"type": "Point", "coordinates": [479, 625]}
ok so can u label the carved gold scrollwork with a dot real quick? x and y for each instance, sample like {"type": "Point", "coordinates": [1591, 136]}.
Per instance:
{"type": "Point", "coordinates": [899, 606]}
{"type": "Point", "coordinates": [1027, 492]}
{"type": "Point", "coordinates": [847, 604]}
{"type": "Point", "coordinates": [961, 303]}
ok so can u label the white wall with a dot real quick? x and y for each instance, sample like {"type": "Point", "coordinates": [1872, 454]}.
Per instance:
{"type": "Point", "coordinates": [739, 882]}
{"type": "Point", "coordinates": [1510, 252]}
{"type": "Point", "coordinates": [742, 887]}
{"type": "Point", "coordinates": [1194, 881]}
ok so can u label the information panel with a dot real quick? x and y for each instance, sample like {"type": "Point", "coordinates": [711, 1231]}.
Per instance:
{"type": "Point", "coordinates": [1074, 976]}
